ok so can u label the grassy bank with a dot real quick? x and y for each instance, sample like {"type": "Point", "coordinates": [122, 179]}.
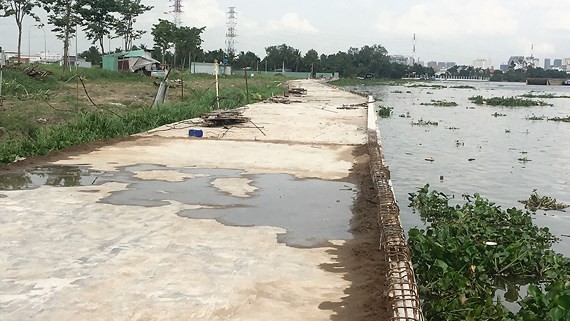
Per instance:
{"type": "Point", "coordinates": [39, 116]}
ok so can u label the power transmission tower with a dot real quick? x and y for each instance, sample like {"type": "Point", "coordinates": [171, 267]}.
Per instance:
{"type": "Point", "coordinates": [176, 11]}
{"type": "Point", "coordinates": [231, 33]}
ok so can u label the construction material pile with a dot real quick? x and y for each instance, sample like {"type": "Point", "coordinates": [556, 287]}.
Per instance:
{"type": "Point", "coordinates": [37, 73]}
{"type": "Point", "coordinates": [219, 118]}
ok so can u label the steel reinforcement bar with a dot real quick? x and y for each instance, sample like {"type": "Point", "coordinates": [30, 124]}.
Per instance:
{"type": "Point", "coordinates": [402, 290]}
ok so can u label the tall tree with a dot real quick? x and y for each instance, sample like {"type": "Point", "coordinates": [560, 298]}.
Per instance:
{"type": "Point", "coordinates": [164, 36]}
{"type": "Point", "coordinates": [64, 20]}
{"type": "Point", "coordinates": [92, 55]}
{"type": "Point", "coordinates": [128, 11]}
{"type": "Point", "coordinates": [187, 43]}
{"type": "Point", "coordinates": [283, 54]}
{"type": "Point", "coordinates": [97, 19]}
{"type": "Point", "coordinates": [19, 9]}
{"type": "Point", "coordinates": [246, 59]}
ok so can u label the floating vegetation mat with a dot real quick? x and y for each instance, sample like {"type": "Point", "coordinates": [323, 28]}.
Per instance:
{"type": "Point", "coordinates": [536, 202]}
{"type": "Point", "coordinates": [471, 250]}
{"type": "Point", "coordinates": [560, 119]}
{"type": "Point", "coordinates": [422, 122]}
{"type": "Point", "coordinates": [440, 103]}
{"type": "Point", "coordinates": [507, 101]}
{"type": "Point", "coordinates": [384, 111]}
{"type": "Point", "coordinates": [427, 86]}
{"type": "Point", "coordinates": [543, 96]}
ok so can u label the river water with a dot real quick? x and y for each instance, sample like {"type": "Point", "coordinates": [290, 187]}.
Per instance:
{"type": "Point", "coordinates": [476, 152]}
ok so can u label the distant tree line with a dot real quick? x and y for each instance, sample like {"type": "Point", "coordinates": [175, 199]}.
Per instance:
{"type": "Point", "coordinates": [520, 75]}
{"type": "Point", "coordinates": [179, 45]}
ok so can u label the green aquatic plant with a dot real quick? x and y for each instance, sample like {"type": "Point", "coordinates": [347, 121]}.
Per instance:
{"type": "Point", "coordinates": [427, 86]}
{"type": "Point", "coordinates": [560, 119]}
{"type": "Point", "coordinates": [507, 101]}
{"type": "Point", "coordinates": [536, 202]}
{"type": "Point", "coordinates": [463, 87]}
{"type": "Point", "coordinates": [384, 111]}
{"type": "Point", "coordinates": [440, 103]}
{"type": "Point", "coordinates": [546, 96]}
{"type": "Point", "coordinates": [422, 122]}
{"type": "Point", "coordinates": [534, 117]}
{"type": "Point", "coordinates": [462, 257]}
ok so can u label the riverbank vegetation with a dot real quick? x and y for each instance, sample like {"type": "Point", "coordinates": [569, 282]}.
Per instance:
{"type": "Point", "coordinates": [63, 109]}
{"type": "Point", "coordinates": [473, 249]}
{"type": "Point", "coordinates": [507, 101]}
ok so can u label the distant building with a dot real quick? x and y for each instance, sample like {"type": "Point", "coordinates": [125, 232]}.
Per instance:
{"type": "Point", "coordinates": [441, 65]}
{"type": "Point", "coordinates": [566, 64]}
{"type": "Point", "coordinates": [518, 62]}
{"type": "Point", "coordinates": [450, 64]}
{"type": "Point", "coordinates": [504, 67]}
{"type": "Point", "coordinates": [547, 63]}
{"type": "Point", "coordinates": [557, 63]}
{"type": "Point", "coordinates": [532, 62]}
{"type": "Point", "coordinates": [400, 59]}
{"type": "Point", "coordinates": [432, 64]}
{"type": "Point", "coordinates": [482, 63]}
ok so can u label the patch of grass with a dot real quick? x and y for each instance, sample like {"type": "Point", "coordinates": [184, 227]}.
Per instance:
{"type": "Point", "coordinates": [440, 103]}
{"type": "Point", "coordinates": [507, 101]}
{"type": "Point", "coordinates": [25, 136]}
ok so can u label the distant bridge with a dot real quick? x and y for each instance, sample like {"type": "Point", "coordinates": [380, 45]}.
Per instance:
{"type": "Point", "coordinates": [547, 81]}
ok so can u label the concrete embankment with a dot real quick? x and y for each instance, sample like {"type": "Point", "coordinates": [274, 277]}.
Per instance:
{"type": "Point", "coordinates": [270, 220]}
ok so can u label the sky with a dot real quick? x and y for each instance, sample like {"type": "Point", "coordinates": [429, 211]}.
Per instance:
{"type": "Point", "coordinates": [446, 30]}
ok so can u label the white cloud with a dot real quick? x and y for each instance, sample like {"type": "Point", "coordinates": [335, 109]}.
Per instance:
{"type": "Point", "coordinates": [293, 22]}
{"type": "Point", "coordinates": [450, 19]}
{"type": "Point", "coordinates": [200, 13]}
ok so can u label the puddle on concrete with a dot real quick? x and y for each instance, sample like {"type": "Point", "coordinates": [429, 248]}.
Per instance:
{"type": "Point", "coordinates": [313, 211]}
{"type": "Point", "coordinates": [53, 175]}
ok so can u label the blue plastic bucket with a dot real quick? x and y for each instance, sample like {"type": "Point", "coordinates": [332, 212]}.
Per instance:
{"type": "Point", "coordinates": [195, 133]}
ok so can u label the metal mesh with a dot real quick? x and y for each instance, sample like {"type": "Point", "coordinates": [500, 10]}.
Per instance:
{"type": "Point", "coordinates": [402, 290]}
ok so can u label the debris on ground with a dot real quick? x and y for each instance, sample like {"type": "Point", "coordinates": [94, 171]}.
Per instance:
{"type": "Point", "coordinates": [220, 118]}
{"type": "Point", "coordinates": [352, 106]}
{"type": "Point", "coordinates": [37, 73]}
{"type": "Point", "coordinates": [297, 91]}
{"type": "Point", "coordinates": [281, 100]}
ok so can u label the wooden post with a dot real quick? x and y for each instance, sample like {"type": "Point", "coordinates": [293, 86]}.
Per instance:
{"type": "Point", "coordinates": [216, 66]}
{"type": "Point", "coordinates": [246, 86]}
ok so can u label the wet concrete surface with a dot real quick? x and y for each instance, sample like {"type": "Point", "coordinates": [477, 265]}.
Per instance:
{"type": "Point", "coordinates": [171, 228]}
{"type": "Point", "coordinates": [312, 211]}
{"type": "Point", "coordinates": [52, 175]}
